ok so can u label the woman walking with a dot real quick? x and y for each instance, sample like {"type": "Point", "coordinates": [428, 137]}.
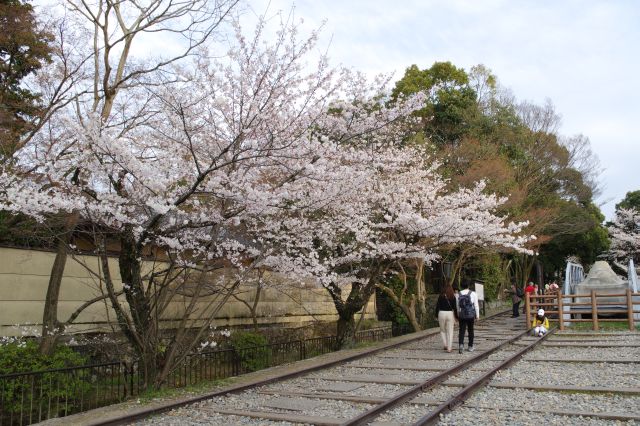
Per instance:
{"type": "Point", "coordinates": [447, 313]}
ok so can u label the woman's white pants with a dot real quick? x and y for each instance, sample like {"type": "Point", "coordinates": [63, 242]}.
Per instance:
{"type": "Point", "coordinates": [539, 331]}
{"type": "Point", "coordinates": [445, 319]}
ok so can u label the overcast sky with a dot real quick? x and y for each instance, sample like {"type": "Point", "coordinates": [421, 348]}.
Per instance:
{"type": "Point", "coordinates": [583, 55]}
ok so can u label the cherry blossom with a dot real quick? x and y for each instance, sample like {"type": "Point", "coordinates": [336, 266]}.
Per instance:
{"type": "Point", "coordinates": [625, 235]}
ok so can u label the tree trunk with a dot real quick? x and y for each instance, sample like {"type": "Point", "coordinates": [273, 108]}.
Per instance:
{"type": "Point", "coordinates": [410, 312]}
{"type": "Point", "coordinates": [409, 309]}
{"type": "Point", "coordinates": [50, 324]}
{"type": "Point", "coordinates": [421, 293]}
{"type": "Point", "coordinates": [358, 297]}
{"type": "Point", "coordinates": [144, 328]}
{"type": "Point", "coordinates": [254, 308]}
{"type": "Point", "coordinates": [346, 330]}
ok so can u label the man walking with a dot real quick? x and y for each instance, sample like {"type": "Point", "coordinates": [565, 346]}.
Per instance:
{"type": "Point", "coordinates": [469, 311]}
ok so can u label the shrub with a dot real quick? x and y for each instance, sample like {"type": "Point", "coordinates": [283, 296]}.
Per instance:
{"type": "Point", "coordinates": [55, 393]}
{"type": "Point", "coordinates": [252, 350]}
{"type": "Point", "coordinates": [491, 274]}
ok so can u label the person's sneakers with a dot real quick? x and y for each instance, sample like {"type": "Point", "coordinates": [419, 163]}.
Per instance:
{"type": "Point", "coordinates": [461, 349]}
{"type": "Point", "coordinates": [471, 349]}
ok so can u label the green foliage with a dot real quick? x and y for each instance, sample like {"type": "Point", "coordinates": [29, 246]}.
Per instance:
{"type": "Point", "coordinates": [22, 231]}
{"type": "Point", "coordinates": [452, 105]}
{"type": "Point", "coordinates": [252, 350]}
{"type": "Point", "coordinates": [587, 241]}
{"type": "Point", "coordinates": [33, 393]}
{"type": "Point", "coordinates": [23, 49]}
{"type": "Point", "coordinates": [491, 275]}
{"type": "Point", "coordinates": [514, 148]}
{"type": "Point", "coordinates": [24, 357]}
{"type": "Point", "coordinates": [630, 201]}
{"type": "Point", "coordinates": [388, 310]}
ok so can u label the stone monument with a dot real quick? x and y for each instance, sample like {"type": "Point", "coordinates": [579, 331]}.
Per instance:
{"type": "Point", "coordinates": [603, 280]}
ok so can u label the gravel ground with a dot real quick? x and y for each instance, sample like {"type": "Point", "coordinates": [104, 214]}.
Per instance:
{"type": "Point", "coordinates": [414, 363]}
{"type": "Point", "coordinates": [202, 412]}
{"type": "Point", "coordinates": [485, 365]}
{"type": "Point", "coordinates": [251, 400]}
{"type": "Point", "coordinates": [552, 373]}
{"type": "Point", "coordinates": [189, 417]}
{"type": "Point", "coordinates": [549, 373]}
{"type": "Point", "coordinates": [510, 398]}
{"type": "Point", "coordinates": [605, 337]}
{"type": "Point", "coordinates": [309, 386]}
{"type": "Point", "coordinates": [395, 373]}
{"type": "Point", "coordinates": [405, 414]}
{"type": "Point", "coordinates": [466, 376]}
{"type": "Point", "coordinates": [503, 354]}
{"type": "Point", "coordinates": [438, 393]}
{"type": "Point", "coordinates": [474, 417]}
{"type": "Point", "coordinates": [598, 333]}
{"type": "Point", "coordinates": [574, 374]}
{"type": "Point", "coordinates": [503, 400]}
{"type": "Point", "coordinates": [579, 353]}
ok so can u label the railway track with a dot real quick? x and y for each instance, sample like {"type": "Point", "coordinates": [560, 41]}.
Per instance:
{"type": "Point", "coordinates": [418, 383]}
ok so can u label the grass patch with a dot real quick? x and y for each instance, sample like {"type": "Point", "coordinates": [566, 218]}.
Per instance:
{"type": "Point", "coordinates": [168, 393]}
{"type": "Point", "coordinates": [365, 344]}
{"type": "Point", "coordinates": [604, 326]}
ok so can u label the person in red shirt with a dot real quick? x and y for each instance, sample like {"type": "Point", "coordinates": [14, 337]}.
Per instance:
{"type": "Point", "coordinates": [530, 289]}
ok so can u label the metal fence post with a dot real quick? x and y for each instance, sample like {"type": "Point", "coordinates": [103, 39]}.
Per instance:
{"type": "Point", "coordinates": [236, 363]}
{"type": "Point", "coordinates": [130, 379]}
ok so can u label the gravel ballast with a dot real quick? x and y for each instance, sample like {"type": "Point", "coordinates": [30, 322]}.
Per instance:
{"type": "Point", "coordinates": [488, 406]}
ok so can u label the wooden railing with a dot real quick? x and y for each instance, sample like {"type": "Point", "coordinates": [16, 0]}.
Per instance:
{"type": "Point", "coordinates": [560, 305]}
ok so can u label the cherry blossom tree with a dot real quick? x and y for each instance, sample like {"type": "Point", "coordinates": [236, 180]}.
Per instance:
{"type": "Point", "coordinates": [256, 159]}
{"type": "Point", "coordinates": [392, 208]}
{"type": "Point", "coordinates": [625, 235]}
{"type": "Point", "coordinates": [229, 142]}
{"type": "Point", "coordinates": [92, 67]}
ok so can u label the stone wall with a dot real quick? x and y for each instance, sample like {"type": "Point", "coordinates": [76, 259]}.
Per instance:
{"type": "Point", "coordinates": [24, 276]}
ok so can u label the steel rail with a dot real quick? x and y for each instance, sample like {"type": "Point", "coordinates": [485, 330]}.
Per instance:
{"type": "Point", "coordinates": [144, 413]}
{"type": "Point", "coordinates": [399, 399]}
{"type": "Point", "coordinates": [434, 416]}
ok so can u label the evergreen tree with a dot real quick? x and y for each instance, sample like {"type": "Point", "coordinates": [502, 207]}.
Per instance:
{"type": "Point", "coordinates": [24, 47]}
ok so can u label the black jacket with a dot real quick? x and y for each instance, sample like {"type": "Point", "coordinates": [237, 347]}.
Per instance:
{"type": "Point", "coordinates": [444, 304]}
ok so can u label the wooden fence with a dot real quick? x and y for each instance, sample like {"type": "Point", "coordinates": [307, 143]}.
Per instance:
{"type": "Point", "coordinates": [566, 308]}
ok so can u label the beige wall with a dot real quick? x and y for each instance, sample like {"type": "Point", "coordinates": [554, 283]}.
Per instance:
{"type": "Point", "coordinates": [24, 276]}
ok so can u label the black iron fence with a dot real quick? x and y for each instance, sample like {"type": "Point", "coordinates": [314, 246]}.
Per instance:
{"type": "Point", "coordinates": [31, 397]}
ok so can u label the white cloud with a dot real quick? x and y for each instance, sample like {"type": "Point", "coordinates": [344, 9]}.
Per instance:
{"type": "Point", "coordinates": [582, 55]}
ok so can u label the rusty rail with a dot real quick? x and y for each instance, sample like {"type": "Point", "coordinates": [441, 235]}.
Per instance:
{"type": "Point", "coordinates": [374, 412]}
{"type": "Point", "coordinates": [144, 413]}
{"type": "Point", "coordinates": [462, 395]}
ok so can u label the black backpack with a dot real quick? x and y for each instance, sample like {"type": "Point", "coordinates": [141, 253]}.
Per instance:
{"type": "Point", "coordinates": [467, 310]}
{"type": "Point", "coordinates": [519, 291]}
